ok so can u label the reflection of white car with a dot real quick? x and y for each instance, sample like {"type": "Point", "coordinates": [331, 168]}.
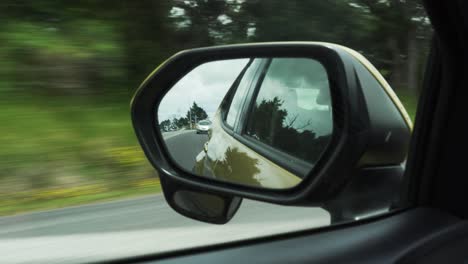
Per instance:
{"type": "Point", "coordinates": [203, 126]}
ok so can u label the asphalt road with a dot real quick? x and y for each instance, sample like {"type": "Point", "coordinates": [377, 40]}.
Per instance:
{"type": "Point", "coordinates": [184, 146]}
{"type": "Point", "coordinates": [135, 227]}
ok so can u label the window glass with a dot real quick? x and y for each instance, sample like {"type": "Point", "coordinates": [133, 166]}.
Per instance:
{"type": "Point", "coordinates": [75, 185]}
{"type": "Point", "coordinates": [240, 94]}
{"type": "Point", "coordinates": [292, 111]}
{"type": "Point", "coordinates": [204, 123]}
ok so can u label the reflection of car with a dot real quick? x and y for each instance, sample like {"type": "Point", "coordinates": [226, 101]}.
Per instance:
{"type": "Point", "coordinates": [203, 126]}
{"type": "Point", "coordinates": [270, 119]}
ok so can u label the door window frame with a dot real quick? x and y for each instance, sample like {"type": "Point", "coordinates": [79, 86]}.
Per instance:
{"type": "Point", "coordinates": [227, 101]}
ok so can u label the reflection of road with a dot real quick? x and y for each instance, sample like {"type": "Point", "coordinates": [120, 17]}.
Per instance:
{"type": "Point", "coordinates": [185, 146]}
{"type": "Point", "coordinates": [134, 227]}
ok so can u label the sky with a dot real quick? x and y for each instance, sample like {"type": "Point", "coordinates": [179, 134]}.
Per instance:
{"type": "Point", "coordinates": [206, 85]}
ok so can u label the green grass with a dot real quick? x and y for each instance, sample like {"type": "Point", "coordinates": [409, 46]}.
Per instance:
{"type": "Point", "coordinates": [51, 126]}
{"type": "Point", "coordinates": [19, 206]}
{"type": "Point", "coordinates": [60, 143]}
{"type": "Point", "coordinates": [83, 138]}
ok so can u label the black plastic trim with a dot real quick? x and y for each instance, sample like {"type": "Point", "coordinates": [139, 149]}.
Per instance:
{"type": "Point", "coordinates": [227, 101]}
{"type": "Point", "coordinates": [256, 82]}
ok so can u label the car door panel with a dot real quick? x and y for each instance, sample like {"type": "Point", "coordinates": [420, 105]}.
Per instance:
{"type": "Point", "coordinates": [228, 159]}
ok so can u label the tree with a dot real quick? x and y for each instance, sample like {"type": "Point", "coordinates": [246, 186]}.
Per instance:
{"type": "Point", "coordinates": [211, 21]}
{"type": "Point", "coordinates": [400, 38]}
{"type": "Point", "coordinates": [147, 36]}
{"type": "Point", "coordinates": [306, 20]}
{"type": "Point", "coordinates": [393, 34]}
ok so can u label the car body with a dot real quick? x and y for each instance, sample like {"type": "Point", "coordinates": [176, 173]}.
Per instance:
{"type": "Point", "coordinates": [203, 126]}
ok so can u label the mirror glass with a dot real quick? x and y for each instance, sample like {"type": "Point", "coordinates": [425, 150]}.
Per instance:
{"type": "Point", "coordinates": [206, 206]}
{"type": "Point", "coordinates": [262, 122]}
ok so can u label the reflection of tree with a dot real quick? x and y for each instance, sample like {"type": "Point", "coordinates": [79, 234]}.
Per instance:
{"type": "Point", "coordinates": [165, 125]}
{"type": "Point", "coordinates": [237, 167]}
{"type": "Point", "coordinates": [268, 117]}
{"type": "Point", "coordinates": [290, 122]}
{"type": "Point", "coordinates": [179, 123]}
{"type": "Point", "coordinates": [196, 113]}
{"type": "Point", "coordinates": [272, 125]}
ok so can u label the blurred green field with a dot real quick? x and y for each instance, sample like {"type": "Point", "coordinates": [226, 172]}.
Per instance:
{"type": "Point", "coordinates": [61, 144]}
{"type": "Point", "coordinates": [53, 198]}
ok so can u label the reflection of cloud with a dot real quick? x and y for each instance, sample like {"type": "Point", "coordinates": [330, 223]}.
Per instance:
{"type": "Point", "coordinates": [206, 85]}
{"type": "Point", "coordinates": [299, 83]}
{"type": "Point", "coordinates": [292, 96]}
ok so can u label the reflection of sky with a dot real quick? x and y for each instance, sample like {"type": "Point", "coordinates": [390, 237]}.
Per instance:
{"type": "Point", "coordinates": [206, 85]}
{"type": "Point", "coordinates": [299, 82]}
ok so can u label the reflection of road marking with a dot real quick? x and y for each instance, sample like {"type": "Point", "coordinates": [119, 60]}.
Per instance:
{"type": "Point", "coordinates": [177, 133]}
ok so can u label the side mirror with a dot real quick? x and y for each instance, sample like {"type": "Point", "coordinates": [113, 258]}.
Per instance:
{"type": "Point", "coordinates": [286, 123]}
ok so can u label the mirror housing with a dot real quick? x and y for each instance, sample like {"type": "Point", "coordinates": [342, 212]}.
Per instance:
{"type": "Point", "coordinates": [372, 129]}
{"type": "Point", "coordinates": [198, 204]}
